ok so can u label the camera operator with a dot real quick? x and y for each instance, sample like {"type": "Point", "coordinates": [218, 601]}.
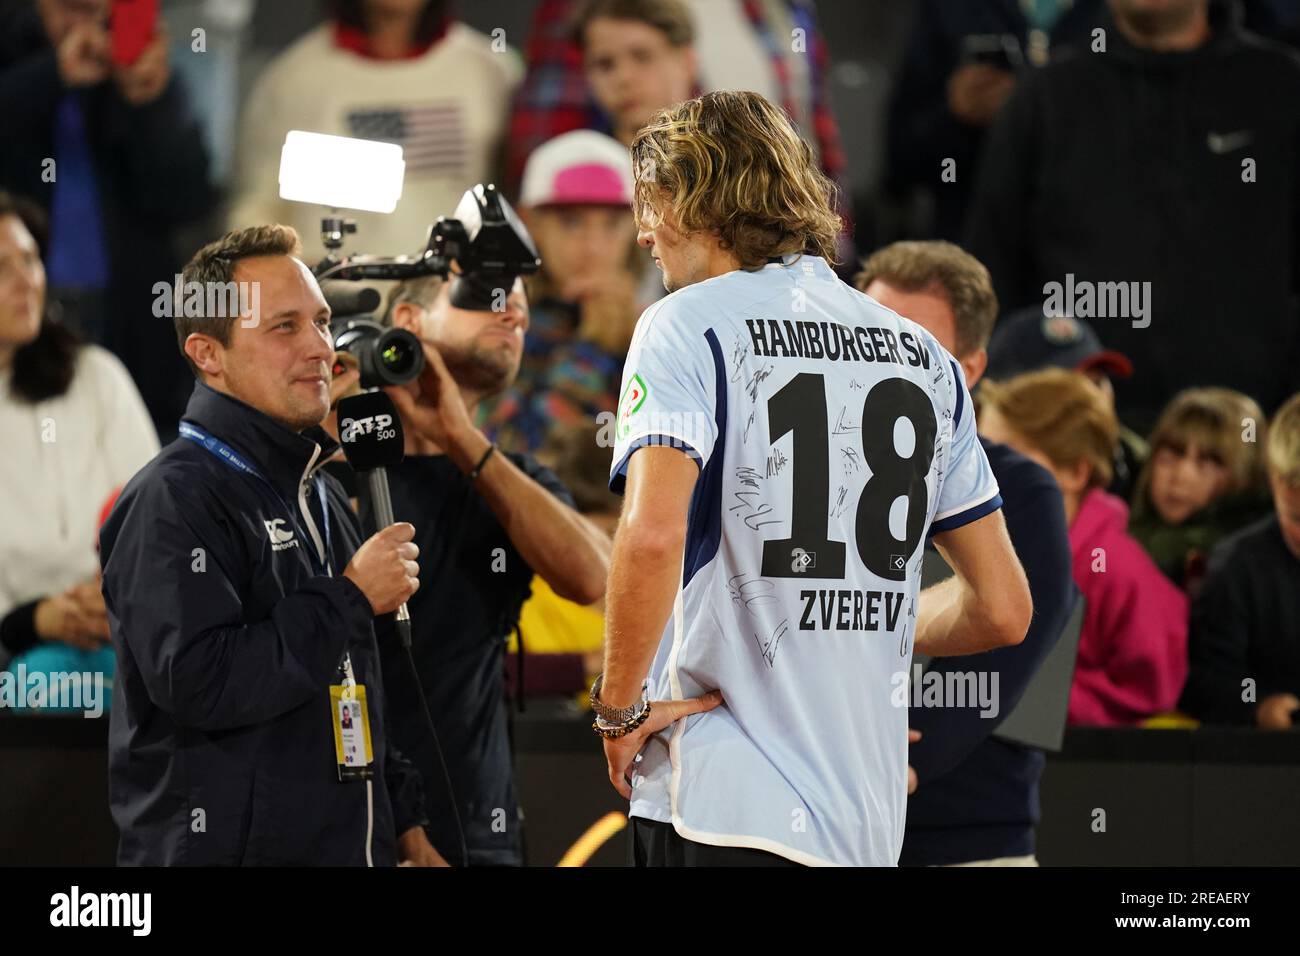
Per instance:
{"type": "Point", "coordinates": [248, 720]}
{"type": "Point", "coordinates": [486, 520]}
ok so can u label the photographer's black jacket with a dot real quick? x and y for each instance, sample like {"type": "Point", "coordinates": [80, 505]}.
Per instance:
{"type": "Point", "coordinates": [473, 584]}
{"type": "Point", "coordinates": [221, 747]}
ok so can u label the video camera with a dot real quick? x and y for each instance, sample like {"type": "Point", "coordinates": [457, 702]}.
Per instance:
{"type": "Point", "coordinates": [485, 239]}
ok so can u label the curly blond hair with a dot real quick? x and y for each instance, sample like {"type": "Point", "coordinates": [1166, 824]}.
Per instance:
{"type": "Point", "coordinates": [730, 162]}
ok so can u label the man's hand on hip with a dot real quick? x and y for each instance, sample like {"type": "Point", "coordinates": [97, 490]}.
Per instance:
{"type": "Point", "coordinates": [621, 751]}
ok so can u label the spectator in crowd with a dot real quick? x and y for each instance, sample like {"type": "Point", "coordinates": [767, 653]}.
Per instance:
{"type": "Point", "coordinates": [1244, 648]}
{"type": "Point", "coordinates": [398, 71]}
{"type": "Point", "coordinates": [638, 56]}
{"type": "Point", "coordinates": [1133, 650]}
{"type": "Point", "coordinates": [577, 203]}
{"type": "Point", "coordinates": [978, 794]}
{"type": "Point", "coordinates": [244, 625]}
{"type": "Point", "coordinates": [737, 44]}
{"type": "Point", "coordinates": [75, 429]}
{"type": "Point", "coordinates": [487, 522]}
{"type": "Point", "coordinates": [1204, 479]}
{"type": "Point", "coordinates": [1155, 189]}
{"type": "Point", "coordinates": [962, 60]}
{"type": "Point", "coordinates": [114, 157]}
{"type": "Point", "coordinates": [1028, 340]}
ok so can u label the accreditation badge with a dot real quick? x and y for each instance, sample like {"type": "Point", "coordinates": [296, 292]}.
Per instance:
{"type": "Point", "coordinates": [351, 719]}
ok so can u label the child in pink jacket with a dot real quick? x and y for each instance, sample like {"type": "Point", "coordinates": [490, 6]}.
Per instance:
{"type": "Point", "coordinates": [1132, 658]}
{"type": "Point", "coordinates": [1133, 651]}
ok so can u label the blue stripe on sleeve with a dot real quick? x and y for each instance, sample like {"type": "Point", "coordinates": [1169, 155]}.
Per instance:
{"type": "Point", "coordinates": [618, 478]}
{"type": "Point", "coordinates": [958, 379]}
{"type": "Point", "coordinates": [967, 516]}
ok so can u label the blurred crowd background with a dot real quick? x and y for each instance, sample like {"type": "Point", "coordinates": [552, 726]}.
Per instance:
{"type": "Point", "coordinates": [1146, 163]}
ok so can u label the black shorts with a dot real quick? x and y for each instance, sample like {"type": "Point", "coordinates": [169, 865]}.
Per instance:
{"type": "Point", "coordinates": [652, 843]}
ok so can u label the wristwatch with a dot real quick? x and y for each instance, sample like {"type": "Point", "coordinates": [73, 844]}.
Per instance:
{"type": "Point", "coordinates": [612, 722]}
{"type": "Point", "coordinates": [615, 715]}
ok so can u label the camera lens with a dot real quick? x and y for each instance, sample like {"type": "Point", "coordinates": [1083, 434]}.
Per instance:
{"type": "Point", "coordinates": [398, 358]}
{"type": "Point", "coordinates": [385, 356]}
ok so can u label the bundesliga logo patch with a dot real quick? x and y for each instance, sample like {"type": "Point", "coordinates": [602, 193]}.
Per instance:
{"type": "Point", "coordinates": [632, 400]}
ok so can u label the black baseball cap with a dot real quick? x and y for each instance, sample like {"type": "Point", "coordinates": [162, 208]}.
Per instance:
{"type": "Point", "coordinates": [1027, 340]}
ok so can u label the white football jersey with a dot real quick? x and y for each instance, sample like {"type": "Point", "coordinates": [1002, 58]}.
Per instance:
{"type": "Point", "coordinates": [832, 436]}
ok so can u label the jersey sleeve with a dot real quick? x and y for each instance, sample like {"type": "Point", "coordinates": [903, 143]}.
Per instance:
{"type": "Point", "coordinates": [969, 491]}
{"type": "Point", "coordinates": [669, 392]}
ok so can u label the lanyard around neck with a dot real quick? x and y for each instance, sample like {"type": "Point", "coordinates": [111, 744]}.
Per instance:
{"type": "Point", "coordinates": [233, 459]}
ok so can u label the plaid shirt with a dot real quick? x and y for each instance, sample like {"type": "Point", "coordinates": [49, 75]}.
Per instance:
{"type": "Point", "coordinates": [563, 381]}
{"type": "Point", "coordinates": [554, 97]}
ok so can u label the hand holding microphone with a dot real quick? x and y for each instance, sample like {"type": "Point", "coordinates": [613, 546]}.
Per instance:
{"type": "Point", "coordinates": [384, 567]}
{"type": "Point", "coordinates": [371, 434]}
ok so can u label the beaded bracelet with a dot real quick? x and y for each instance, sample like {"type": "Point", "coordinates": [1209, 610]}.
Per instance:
{"type": "Point", "coordinates": [482, 461]}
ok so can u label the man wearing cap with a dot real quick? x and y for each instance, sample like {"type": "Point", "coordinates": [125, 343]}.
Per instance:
{"type": "Point", "coordinates": [576, 199]}
{"type": "Point", "coordinates": [1027, 340]}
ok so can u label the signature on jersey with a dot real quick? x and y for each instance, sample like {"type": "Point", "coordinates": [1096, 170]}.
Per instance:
{"type": "Point", "coordinates": [775, 462]}
{"type": "Point", "coordinates": [910, 630]}
{"type": "Point", "coordinates": [768, 648]}
{"type": "Point", "coordinates": [757, 379]}
{"type": "Point", "coordinates": [752, 593]}
{"type": "Point", "coordinates": [845, 428]}
{"type": "Point", "coordinates": [738, 353]}
{"type": "Point", "coordinates": [749, 508]}
{"type": "Point", "coordinates": [839, 501]}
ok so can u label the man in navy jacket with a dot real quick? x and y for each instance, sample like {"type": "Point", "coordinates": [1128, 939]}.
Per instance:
{"type": "Point", "coordinates": [977, 799]}
{"type": "Point", "coordinates": [243, 603]}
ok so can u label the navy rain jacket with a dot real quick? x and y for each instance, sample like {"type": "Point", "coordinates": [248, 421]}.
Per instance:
{"type": "Point", "coordinates": [221, 747]}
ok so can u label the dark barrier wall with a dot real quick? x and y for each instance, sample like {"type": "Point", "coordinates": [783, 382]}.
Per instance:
{"type": "Point", "coordinates": [1208, 797]}
{"type": "Point", "coordinates": [1111, 798]}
